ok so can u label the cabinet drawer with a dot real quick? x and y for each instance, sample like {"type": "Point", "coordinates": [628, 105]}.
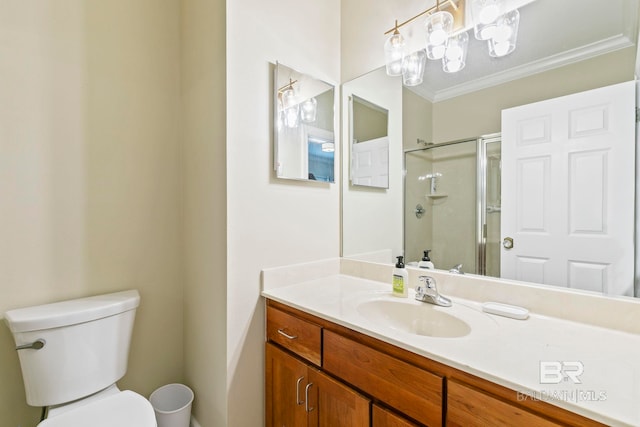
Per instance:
{"type": "Point", "coordinates": [467, 407]}
{"type": "Point", "coordinates": [400, 385]}
{"type": "Point", "coordinates": [297, 335]}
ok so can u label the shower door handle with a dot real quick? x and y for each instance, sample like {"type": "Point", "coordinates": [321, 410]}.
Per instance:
{"type": "Point", "coordinates": [507, 243]}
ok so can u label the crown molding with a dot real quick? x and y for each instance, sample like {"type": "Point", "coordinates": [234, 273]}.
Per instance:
{"type": "Point", "coordinates": [601, 47]}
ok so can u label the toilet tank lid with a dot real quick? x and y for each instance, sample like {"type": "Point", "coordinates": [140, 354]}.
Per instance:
{"type": "Point", "coordinates": [71, 312]}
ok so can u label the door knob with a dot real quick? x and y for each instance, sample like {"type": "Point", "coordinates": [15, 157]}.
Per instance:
{"type": "Point", "coordinates": [507, 243]}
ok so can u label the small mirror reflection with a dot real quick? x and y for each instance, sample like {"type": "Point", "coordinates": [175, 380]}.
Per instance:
{"type": "Point", "coordinates": [304, 127]}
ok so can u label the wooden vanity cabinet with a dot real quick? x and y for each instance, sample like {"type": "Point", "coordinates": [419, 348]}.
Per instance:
{"type": "Point", "coordinates": [354, 380]}
{"type": "Point", "coordinates": [297, 392]}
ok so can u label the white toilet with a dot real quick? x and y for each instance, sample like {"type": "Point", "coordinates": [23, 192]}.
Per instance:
{"type": "Point", "coordinates": [72, 353]}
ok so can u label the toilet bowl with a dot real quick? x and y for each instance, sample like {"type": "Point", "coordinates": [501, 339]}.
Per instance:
{"type": "Point", "coordinates": [72, 353]}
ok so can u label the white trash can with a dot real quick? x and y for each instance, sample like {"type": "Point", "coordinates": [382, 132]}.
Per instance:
{"type": "Point", "coordinates": [172, 405]}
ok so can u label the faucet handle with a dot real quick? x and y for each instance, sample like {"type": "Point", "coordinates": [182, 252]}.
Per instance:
{"type": "Point", "coordinates": [427, 284]}
{"type": "Point", "coordinates": [456, 269]}
{"type": "Point", "coordinates": [426, 291]}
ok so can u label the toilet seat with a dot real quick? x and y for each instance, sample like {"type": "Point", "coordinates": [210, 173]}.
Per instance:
{"type": "Point", "coordinates": [123, 409]}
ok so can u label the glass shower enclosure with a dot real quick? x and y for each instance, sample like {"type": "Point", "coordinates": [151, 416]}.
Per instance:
{"type": "Point", "coordinates": [452, 204]}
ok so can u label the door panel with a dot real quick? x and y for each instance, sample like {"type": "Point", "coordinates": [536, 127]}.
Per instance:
{"type": "Point", "coordinates": [333, 404]}
{"type": "Point", "coordinates": [370, 163]}
{"type": "Point", "coordinates": [568, 190]}
{"type": "Point", "coordinates": [286, 378]}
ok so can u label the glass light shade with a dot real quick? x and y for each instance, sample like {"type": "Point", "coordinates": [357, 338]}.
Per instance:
{"type": "Point", "coordinates": [438, 27]}
{"type": "Point", "coordinates": [455, 56]}
{"type": "Point", "coordinates": [413, 68]}
{"type": "Point", "coordinates": [485, 16]}
{"type": "Point", "coordinates": [290, 108]}
{"type": "Point", "coordinates": [436, 52]}
{"type": "Point", "coordinates": [291, 117]}
{"type": "Point", "coordinates": [505, 37]}
{"type": "Point", "coordinates": [328, 147]}
{"type": "Point", "coordinates": [395, 50]}
{"type": "Point", "coordinates": [288, 98]}
{"type": "Point", "coordinates": [308, 110]}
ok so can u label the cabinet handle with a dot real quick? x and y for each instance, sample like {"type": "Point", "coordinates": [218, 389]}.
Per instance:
{"type": "Point", "coordinates": [306, 398]}
{"type": "Point", "coordinates": [298, 401]}
{"type": "Point", "coordinates": [286, 335]}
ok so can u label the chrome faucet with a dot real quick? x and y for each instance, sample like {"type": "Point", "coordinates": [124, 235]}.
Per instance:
{"type": "Point", "coordinates": [456, 269]}
{"type": "Point", "coordinates": [426, 291]}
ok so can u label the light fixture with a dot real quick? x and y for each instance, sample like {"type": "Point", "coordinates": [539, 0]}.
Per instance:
{"type": "Point", "coordinates": [485, 16]}
{"type": "Point", "coordinates": [308, 110]}
{"type": "Point", "coordinates": [503, 41]}
{"type": "Point", "coordinates": [438, 27]}
{"type": "Point", "coordinates": [328, 147]}
{"type": "Point", "coordinates": [499, 29]}
{"type": "Point", "coordinates": [289, 105]}
{"type": "Point", "coordinates": [395, 50]}
{"type": "Point", "coordinates": [413, 68]}
{"type": "Point", "coordinates": [455, 55]}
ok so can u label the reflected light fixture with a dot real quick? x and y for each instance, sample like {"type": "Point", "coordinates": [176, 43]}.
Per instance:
{"type": "Point", "coordinates": [505, 35]}
{"type": "Point", "coordinates": [413, 68]}
{"type": "Point", "coordinates": [289, 105]}
{"type": "Point", "coordinates": [308, 110]}
{"type": "Point", "coordinates": [444, 42]}
{"type": "Point", "coordinates": [455, 54]}
{"type": "Point", "coordinates": [438, 27]}
{"type": "Point", "coordinates": [485, 16]}
{"type": "Point", "coordinates": [328, 147]}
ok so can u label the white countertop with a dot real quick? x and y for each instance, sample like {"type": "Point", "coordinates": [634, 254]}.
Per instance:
{"type": "Point", "coordinates": [502, 350]}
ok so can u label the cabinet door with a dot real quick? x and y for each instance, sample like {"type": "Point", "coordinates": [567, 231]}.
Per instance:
{"type": "Point", "coordinates": [286, 378]}
{"type": "Point", "coordinates": [384, 418]}
{"type": "Point", "coordinates": [333, 404]}
{"type": "Point", "coordinates": [467, 407]}
{"type": "Point", "coordinates": [400, 385]}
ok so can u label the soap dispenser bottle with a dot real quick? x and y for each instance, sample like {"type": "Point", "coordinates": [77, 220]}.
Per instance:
{"type": "Point", "coordinates": [400, 279]}
{"type": "Point", "coordinates": [426, 261]}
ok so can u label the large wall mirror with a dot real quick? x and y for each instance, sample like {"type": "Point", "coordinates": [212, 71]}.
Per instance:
{"type": "Point", "coordinates": [451, 148]}
{"type": "Point", "coordinates": [304, 140]}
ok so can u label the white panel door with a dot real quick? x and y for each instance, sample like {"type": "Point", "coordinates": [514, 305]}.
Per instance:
{"type": "Point", "coordinates": [370, 163]}
{"type": "Point", "coordinates": [568, 189]}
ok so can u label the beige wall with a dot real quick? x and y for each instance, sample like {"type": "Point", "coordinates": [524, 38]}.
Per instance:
{"type": "Point", "coordinates": [478, 113]}
{"type": "Point", "coordinates": [368, 122]}
{"type": "Point", "coordinates": [417, 118]}
{"type": "Point", "coordinates": [90, 184]}
{"type": "Point", "coordinates": [203, 131]}
{"type": "Point", "coordinates": [362, 32]}
{"type": "Point", "coordinates": [270, 222]}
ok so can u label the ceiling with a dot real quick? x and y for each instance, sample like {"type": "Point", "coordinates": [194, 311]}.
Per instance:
{"type": "Point", "coordinates": [552, 33]}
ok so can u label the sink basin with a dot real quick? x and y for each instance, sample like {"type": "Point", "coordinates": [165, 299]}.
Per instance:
{"type": "Point", "coordinates": [419, 319]}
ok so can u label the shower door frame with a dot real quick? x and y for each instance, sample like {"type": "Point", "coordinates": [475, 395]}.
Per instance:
{"type": "Point", "coordinates": [481, 189]}
{"type": "Point", "coordinates": [481, 200]}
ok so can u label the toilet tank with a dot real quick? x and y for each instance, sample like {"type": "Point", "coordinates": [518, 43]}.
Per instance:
{"type": "Point", "coordinates": [86, 345]}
